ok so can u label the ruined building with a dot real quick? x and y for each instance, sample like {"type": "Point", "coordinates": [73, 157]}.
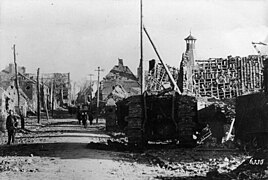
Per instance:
{"type": "Point", "coordinates": [219, 77]}
{"type": "Point", "coordinates": [120, 81]}
{"type": "Point", "coordinates": [157, 77]}
{"type": "Point", "coordinates": [59, 85]}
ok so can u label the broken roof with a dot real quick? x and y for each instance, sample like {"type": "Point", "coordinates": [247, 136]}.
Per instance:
{"type": "Point", "coordinates": [120, 71]}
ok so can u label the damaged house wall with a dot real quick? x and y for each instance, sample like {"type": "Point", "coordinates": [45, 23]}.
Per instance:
{"type": "Point", "coordinates": [6, 104]}
{"type": "Point", "coordinates": [61, 86]}
{"type": "Point", "coordinates": [12, 92]}
{"type": "Point", "coordinates": [29, 87]}
{"type": "Point", "coordinates": [221, 78]}
{"type": "Point", "coordinates": [7, 80]}
{"type": "Point", "coordinates": [157, 77]}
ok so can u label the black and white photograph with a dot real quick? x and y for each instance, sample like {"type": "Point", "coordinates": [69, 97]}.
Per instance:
{"type": "Point", "coordinates": [133, 89]}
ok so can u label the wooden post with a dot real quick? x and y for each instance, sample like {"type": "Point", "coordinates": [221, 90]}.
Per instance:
{"type": "Point", "coordinates": [17, 88]}
{"type": "Point", "coordinates": [38, 96]}
{"type": "Point", "coordinates": [98, 94]}
{"type": "Point", "coordinates": [44, 99]}
{"type": "Point", "coordinates": [141, 50]}
{"type": "Point", "coordinates": [52, 98]}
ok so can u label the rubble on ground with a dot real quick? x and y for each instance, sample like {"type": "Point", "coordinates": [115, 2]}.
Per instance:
{"type": "Point", "coordinates": [22, 164]}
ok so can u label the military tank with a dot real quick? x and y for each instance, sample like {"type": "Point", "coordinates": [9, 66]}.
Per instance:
{"type": "Point", "coordinates": [167, 117]}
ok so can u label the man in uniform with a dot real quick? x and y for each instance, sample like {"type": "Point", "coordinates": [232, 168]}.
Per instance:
{"type": "Point", "coordinates": [11, 125]}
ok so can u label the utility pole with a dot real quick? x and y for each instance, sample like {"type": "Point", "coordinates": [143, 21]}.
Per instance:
{"type": "Point", "coordinates": [141, 50]}
{"type": "Point", "coordinates": [91, 89]}
{"type": "Point", "coordinates": [52, 96]}
{"type": "Point", "coordinates": [17, 87]}
{"type": "Point", "coordinates": [90, 85]}
{"type": "Point", "coordinates": [73, 93]}
{"type": "Point", "coordinates": [38, 96]}
{"type": "Point", "coordinates": [98, 93]}
{"type": "Point", "coordinates": [44, 98]}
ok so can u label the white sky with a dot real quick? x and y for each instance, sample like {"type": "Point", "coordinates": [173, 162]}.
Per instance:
{"type": "Point", "coordinates": [77, 36]}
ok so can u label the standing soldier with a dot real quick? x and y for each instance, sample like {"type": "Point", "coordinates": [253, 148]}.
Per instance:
{"type": "Point", "coordinates": [79, 115]}
{"type": "Point", "coordinates": [90, 115]}
{"type": "Point", "coordinates": [11, 125]}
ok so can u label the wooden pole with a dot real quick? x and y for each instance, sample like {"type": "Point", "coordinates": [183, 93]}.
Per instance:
{"type": "Point", "coordinates": [17, 88]}
{"type": "Point", "coordinates": [38, 96]}
{"type": "Point", "coordinates": [44, 99]}
{"type": "Point", "coordinates": [52, 98]}
{"type": "Point", "coordinates": [98, 93]}
{"type": "Point", "coordinates": [141, 49]}
{"type": "Point", "coordinates": [90, 85]}
{"type": "Point", "coordinates": [176, 88]}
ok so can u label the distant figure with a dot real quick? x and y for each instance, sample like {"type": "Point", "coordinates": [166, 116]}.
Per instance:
{"type": "Point", "coordinates": [79, 115]}
{"type": "Point", "coordinates": [90, 117]}
{"type": "Point", "coordinates": [84, 119]}
{"type": "Point", "coordinates": [11, 125]}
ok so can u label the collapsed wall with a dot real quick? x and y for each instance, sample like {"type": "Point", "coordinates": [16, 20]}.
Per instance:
{"type": "Point", "coordinates": [224, 78]}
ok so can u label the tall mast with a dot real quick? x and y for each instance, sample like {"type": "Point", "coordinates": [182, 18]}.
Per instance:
{"type": "Point", "coordinates": [141, 46]}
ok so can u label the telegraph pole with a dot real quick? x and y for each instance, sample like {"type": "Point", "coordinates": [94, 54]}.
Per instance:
{"type": "Point", "coordinates": [17, 87]}
{"type": "Point", "coordinates": [38, 96]}
{"type": "Point", "coordinates": [98, 93]}
{"type": "Point", "coordinates": [141, 50]}
{"type": "Point", "coordinates": [44, 98]}
{"type": "Point", "coordinates": [90, 85]}
{"type": "Point", "coordinates": [52, 97]}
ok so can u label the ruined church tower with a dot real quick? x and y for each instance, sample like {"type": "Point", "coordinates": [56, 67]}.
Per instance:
{"type": "Point", "coordinates": [190, 49]}
{"type": "Point", "coordinates": [187, 65]}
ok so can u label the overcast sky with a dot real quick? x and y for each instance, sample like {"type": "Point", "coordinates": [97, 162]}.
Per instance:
{"type": "Point", "coordinates": [77, 36]}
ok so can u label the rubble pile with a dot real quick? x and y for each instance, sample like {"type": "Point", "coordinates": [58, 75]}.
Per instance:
{"type": "Point", "coordinates": [255, 167]}
{"type": "Point", "coordinates": [189, 164]}
{"type": "Point", "coordinates": [18, 165]}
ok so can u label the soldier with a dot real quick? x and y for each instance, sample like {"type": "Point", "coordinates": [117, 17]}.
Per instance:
{"type": "Point", "coordinates": [11, 125]}
{"type": "Point", "coordinates": [79, 115]}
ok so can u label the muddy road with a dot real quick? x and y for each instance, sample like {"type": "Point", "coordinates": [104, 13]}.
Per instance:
{"type": "Point", "coordinates": [63, 149]}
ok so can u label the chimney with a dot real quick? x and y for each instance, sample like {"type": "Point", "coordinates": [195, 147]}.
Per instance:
{"type": "Point", "coordinates": [120, 62]}
{"type": "Point", "coordinates": [23, 70]}
{"type": "Point", "coordinates": [10, 68]}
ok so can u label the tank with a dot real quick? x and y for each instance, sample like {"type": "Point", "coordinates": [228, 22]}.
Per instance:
{"type": "Point", "coordinates": [158, 118]}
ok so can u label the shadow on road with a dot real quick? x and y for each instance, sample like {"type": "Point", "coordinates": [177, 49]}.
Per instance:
{"type": "Point", "coordinates": [82, 131]}
{"type": "Point", "coordinates": [72, 122]}
{"type": "Point", "coordinates": [61, 150]}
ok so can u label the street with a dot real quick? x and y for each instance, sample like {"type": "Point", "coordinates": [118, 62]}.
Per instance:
{"type": "Point", "coordinates": [63, 149]}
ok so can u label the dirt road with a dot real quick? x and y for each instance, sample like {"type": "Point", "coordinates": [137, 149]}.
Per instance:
{"type": "Point", "coordinates": [60, 149]}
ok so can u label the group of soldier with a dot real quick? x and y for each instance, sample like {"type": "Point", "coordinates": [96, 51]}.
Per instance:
{"type": "Point", "coordinates": [84, 115]}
